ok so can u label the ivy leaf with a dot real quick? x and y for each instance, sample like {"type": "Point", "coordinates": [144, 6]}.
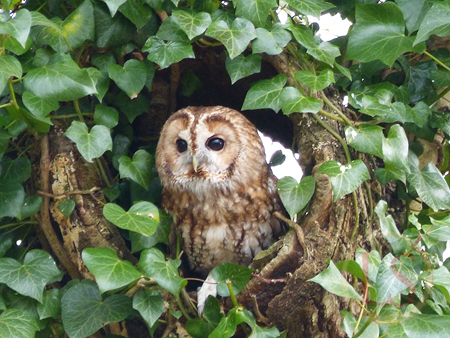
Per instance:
{"type": "Point", "coordinates": [369, 262]}
{"type": "Point", "coordinates": [131, 78]}
{"type": "Point", "coordinates": [31, 205]}
{"type": "Point", "coordinates": [265, 94]}
{"type": "Point", "coordinates": [83, 312]}
{"type": "Point", "coordinates": [295, 196]}
{"type": "Point", "coordinates": [345, 178]}
{"type": "Point", "coordinates": [435, 22]}
{"type": "Point", "coordinates": [31, 277]}
{"type": "Point", "coordinates": [90, 144]}
{"type": "Point", "coordinates": [310, 7]}
{"type": "Point", "coordinates": [394, 276]}
{"type": "Point", "coordinates": [161, 235]}
{"type": "Point", "coordinates": [51, 304]}
{"type": "Point", "coordinates": [165, 54]}
{"type": "Point", "coordinates": [18, 27]}
{"type": "Point", "coordinates": [271, 42]}
{"type": "Point", "coordinates": [395, 147]}
{"type": "Point", "coordinates": [235, 38]}
{"type": "Point", "coordinates": [17, 170]}
{"type": "Point", "coordinates": [138, 13]}
{"type": "Point", "coordinates": [322, 51]}
{"type": "Point", "coordinates": [138, 169]}
{"type": "Point", "coordinates": [430, 186]}
{"type": "Point", "coordinates": [227, 325]}
{"type": "Point", "coordinates": [440, 229]}
{"type": "Point", "coordinates": [414, 12]}
{"type": "Point", "coordinates": [378, 34]}
{"type": "Point", "coordinates": [111, 32]}
{"type": "Point", "coordinates": [39, 107]}
{"type": "Point", "coordinates": [388, 228]}
{"type": "Point", "coordinates": [143, 217]}
{"type": "Point", "coordinates": [12, 196]}
{"type": "Point", "coordinates": [107, 116]}
{"type": "Point", "coordinates": [113, 5]}
{"type": "Point", "coordinates": [59, 80]}
{"type": "Point", "coordinates": [150, 305]}
{"type": "Point", "coordinates": [315, 82]}
{"type": "Point", "coordinates": [238, 275]}
{"type": "Point", "coordinates": [154, 264]}
{"type": "Point", "coordinates": [294, 102]}
{"type": "Point", "coordinates": [439, 276]}
{"type": "Point", "coordinates": [423, 325]}
{"type": "Point", "coordinates": [9, 66]}
{"type": "Point", "coordinates": [332, 281]}
{"type": "Point", "coordinates": [242, 66]}
{"type": "Point", "coordinates": [18, 323]}
{"type": "Point", "coordinates": [192, 24]}
{"type": "Point", "coordinates": [366, 138]}
{"type": "Point", "coordinates": [111, 273]}
{"type": "Point", "coordinates": [66, 207]}
{"type": "Point", "coordinates": [69, 34]}
{"type": "Point", "coordinates": [170, 30]}
{"type": "Point", "coordinates": [256, 11]}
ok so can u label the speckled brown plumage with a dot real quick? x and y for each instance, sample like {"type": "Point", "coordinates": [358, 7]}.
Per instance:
{"type": "Point", "coordinates": [223, 208]}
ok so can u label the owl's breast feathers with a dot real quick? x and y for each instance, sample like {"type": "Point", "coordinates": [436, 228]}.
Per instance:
{"type": "Point", "coordinates": [227, 222]}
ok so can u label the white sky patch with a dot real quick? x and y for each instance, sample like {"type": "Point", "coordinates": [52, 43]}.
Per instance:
{"type": "Point", "coordinates": [290, 167]}
{"type": "Point", "coordinates": [331, 26]}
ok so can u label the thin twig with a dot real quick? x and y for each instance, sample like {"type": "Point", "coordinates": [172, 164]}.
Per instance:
{"type": "Point", "coordinates": [298, 230]}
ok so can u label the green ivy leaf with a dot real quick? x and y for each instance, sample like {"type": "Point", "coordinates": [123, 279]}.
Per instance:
{"type": "Point", "coordinates": [423, 325]}
{"type": "Point", "coordinates": [440, 229]}
{"type": "Point", "coordinates": [18, 324]}
{"type": "Point", "coordinates": [192, 24]}
{"type": "Point", "coordinates": [332, 281]}
{"type": "Point", "coordinates": [18, 26]}
{"type": "Point", "coordinates": [265, 94]}
{"type": "Point", "coordinates": [227, 325]}
{"type": "Point", "coordinates": [242, 66]}
{"type": "Point", "coordinates": [69, 34]}
{"type": "Point", "coordinates": [59, 80]}
{"type": "Point", "coordinates": [161, 235]}
{"type": "Point", "coordinates": [414, 12]}
{"type": "Point", "coordinates": [322, 51]}
{"type": "Point", "coordinates": [138, 13]}
{"type": "Point", "coordinates": [83, 312]}
{"type": "Point", "coordinates": [66, 207]}
{"type": "Point", "coordinates": [435, 22]}
{"type": "Point", "coordinates": [9, 66]}
{"type": "Point", "coordinates": [235, 38]}
{"type": "Point", "coordinates": [345, 178]}
{"type": "Point", "coordinates": [165, 54]}
{"type": "Point", "coordinates": [431, 186]}
{"type": "Point", "coordinates": [369, 262]}
{"type": "Point", "coordinates": [388, 228]}
{"type": "Point", "coordinates": [170, 30]}
{"type": "Point", "coordinates": [110, 272]}
{"type": "Point", "coordinates": [378, 34]}
{"type": "Point", "coordinates": [12, 196]}
{"type": "Point", "coordinates": [256, 11]}
{"type": "Point", "coordinates": [106, 116]}
{"type": "Point", "coordinates": [51, 304]}
{"type": "Point", "coordinates": [31, 205]}
{"type": "Point", "coordinates": [164, 272]}
{"type": "Point", "coordinates": [238, 275]}
{"type": "Point", "coordinates": [439, 276]}
{"type": "Point", "coordinates": [366, 138]}
{"type": "Point", "coordinates": [16, 170]}
{"type": "Point", "coordinates": [138, 169]}
{"type": "Point", "coordinates": [143, 217]}
{"type": "Point", "coordinates": [271, 42]}
{"type": "Point", "coordinates": [131, 78]}
{"type": "Point", "coordinates": [111, 32]}
{"type": "Point", "coordinates": [394, 276]}
{"type": "Point", "coordinates": [90, 144]}
{"type": "Point", "coordinates": [113, 5]}
{"type": "Point", "coordinates": [294, 102]}
{"type": "Point", "coordinates": [310, 7]}
{"type": "Point", "coordinates": [395, 147]}
{"type": "Point", "coordinates": [313, 81]}
{"type": "Point", "coordinates": [295, 196]}
{"type": "Point", "coordinates": [150, 305]}
{"type": "Point", "coordinates": [30, 279]}
{"type": "Point", "coordinates": [40, 108]}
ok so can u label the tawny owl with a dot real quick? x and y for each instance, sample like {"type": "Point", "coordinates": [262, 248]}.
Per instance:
{"type": "Point", "coordinates": [217, 186]}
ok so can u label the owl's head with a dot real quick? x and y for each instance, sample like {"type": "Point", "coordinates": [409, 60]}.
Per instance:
{"type": "Point", "coordinates": [208, 143]}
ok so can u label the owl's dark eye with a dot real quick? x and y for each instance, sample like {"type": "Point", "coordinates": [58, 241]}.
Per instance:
{"type": "Point", "coordinates": [181, 145]}
{"type": "Point", "coordinates": [215, 143]}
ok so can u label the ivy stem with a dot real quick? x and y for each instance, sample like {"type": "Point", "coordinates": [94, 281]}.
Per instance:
{"type": "Point", "coordinates": [76, 105]}
{"type": "Point", "coordinates": [331, 116]}
{"type": "Point", "coordinates": [6, 105]}
{"type": "Point", "coordinates": [336, 109]}
{"type": "Point", "coordinates": [9, 225]}
{"type": "Point", "coordinates": [182, 309]}
{"type": "Point", "coordinates": [232, 295]}
{"type": "Point", "coordinates": [336, 135]}
{"type": "Point", "coordinates": [13, 95]}
{"type": "Point", "coordinates": [369, 321]}
{"type": "Point", "coordinates": [437, 61]}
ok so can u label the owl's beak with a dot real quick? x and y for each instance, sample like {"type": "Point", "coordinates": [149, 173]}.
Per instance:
{"type": "Point", "coordinates": [194, 163]}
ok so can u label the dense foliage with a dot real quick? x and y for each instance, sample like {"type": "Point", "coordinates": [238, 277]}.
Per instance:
{"type": "Point", "coordinates": [87, 67]}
